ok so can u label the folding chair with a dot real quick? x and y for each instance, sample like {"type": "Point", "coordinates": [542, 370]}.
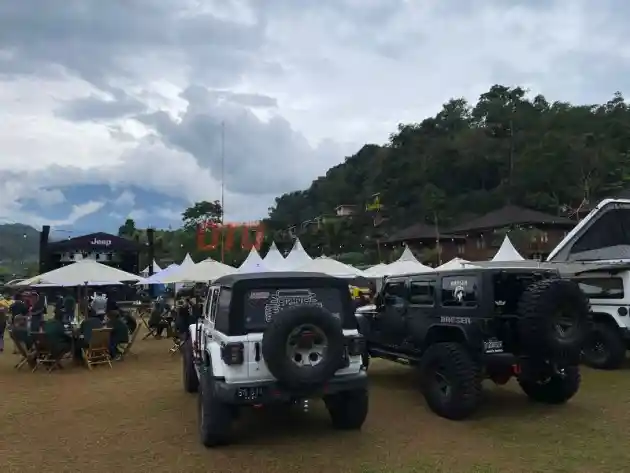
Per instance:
{"type": "Point", "coordinates": [21, 349]}
{"type": "Point", "coordinates": [43, 354]}
{"type": "Point", "coordinates": [127, 348]}
{"type": "Point", "coordinates": [97, 351]}
{"type": "Point", "coordinates": [177, 344]}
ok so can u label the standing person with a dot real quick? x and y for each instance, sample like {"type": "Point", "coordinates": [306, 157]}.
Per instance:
{"type": "Point", "coordinates": [3, 325]}
{"type": "Point", "coordinates": [69, 306]}
{"type": "Point", "coordinates": [38, 312]}
{"type": "Point", "coordinates": [99, 306]}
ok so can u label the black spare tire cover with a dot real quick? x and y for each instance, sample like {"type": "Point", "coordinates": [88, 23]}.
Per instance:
{"type": "Point", "coordinates": [554, 318]}
{"type": "Point", "coordinates": [275, 347]}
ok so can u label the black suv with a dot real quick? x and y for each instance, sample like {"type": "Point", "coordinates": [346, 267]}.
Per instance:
{"type": "Point", "coordinates": [460, 327]}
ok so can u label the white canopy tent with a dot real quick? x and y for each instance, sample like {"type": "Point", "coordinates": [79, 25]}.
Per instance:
{"type": "Point", "coordinates": [157, 277]}
{"type": "Point", "coordinates": [332, 267]}
{"type": "Point", "coordinates": [374, 271]}
{"type": "Point", "coordinates": [81, 273]}
{"type": "Point", "coordinates": [297, 257]}
{"type": "Point", "coordinates": [507, 252]}
{"type": "Point", "coordinates": [274, 259]}
{"type": "Point", "coordinates": [207, 270]}
{"type": "Point", "coordinates": [156, 269]}
{"type": "Point", "coordinates": [253, 263]}
{"type": "Point", "coordinates": [406, 264]}
{"type": "Point", "coordinates": [456, 263]}
{"type": "Point", "coordinates": [188, 261]}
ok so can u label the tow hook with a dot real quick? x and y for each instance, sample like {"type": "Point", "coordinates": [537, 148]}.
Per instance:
{"type": "Point", "coordinates": [516, 370]}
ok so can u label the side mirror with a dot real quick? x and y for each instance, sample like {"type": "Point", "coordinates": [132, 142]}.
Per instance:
{"type": "Point", "coordinates": [378, 301]}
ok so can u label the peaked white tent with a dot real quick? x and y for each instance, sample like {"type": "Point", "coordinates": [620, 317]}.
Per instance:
{"type": "Point", "coordinates": [456, 263]}
{"type": "Point", "coordinates": [80, 273]}
{"type": "Point", "coordinates": [188, 261]}
{"type": "Point", "coordinates": [274, 259]}
{"type": "Point", "coordinates": [298, 257]}
{"type": "Point", "coordinates": [253, 263]}
{"type": "Point", "coordinates": [157, 277]}
{"type": "Point", "coordinates": [207, 270]}
{"type": "Point", "coordinates": [507, 252]}
{"type": "Point", "coordinates": [332, 267]}
{"type": "Point", "coordinates": [156, 269]}
{"type": "Point", "coordinates": [406, 264]}
{"type": "Point", "coordinates": [374, 271]}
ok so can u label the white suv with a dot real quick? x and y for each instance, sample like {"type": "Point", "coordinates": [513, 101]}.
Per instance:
{"type": "Point", "coordinates": [269, 338]}
{"type": "Point", "coordinates": [597, 255]}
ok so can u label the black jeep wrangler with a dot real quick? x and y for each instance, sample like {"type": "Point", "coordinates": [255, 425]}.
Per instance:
{"type": "Point", "coordinates": [460, 327]}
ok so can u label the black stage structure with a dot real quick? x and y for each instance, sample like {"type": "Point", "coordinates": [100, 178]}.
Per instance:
{"type": "Point", "coordinates": [111, 250]}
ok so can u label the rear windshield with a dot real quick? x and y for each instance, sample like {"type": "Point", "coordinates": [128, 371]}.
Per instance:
{"type": "Point", "coordinates": [261, 305]}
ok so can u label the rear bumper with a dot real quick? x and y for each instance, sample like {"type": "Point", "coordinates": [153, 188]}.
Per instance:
{"type": "Point", "coordinates": [270, 392]}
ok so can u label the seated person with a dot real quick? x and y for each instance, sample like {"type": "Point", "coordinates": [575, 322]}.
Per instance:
{"type": "Point", "coordinates": [157, 322]}
{"type": "Point", "coordinates": [38, 312]}
{"type": "Point", "coordinates": [86, 327]}
{"type": "Point", "coordinates": [119, 335]}
{"type": "Point", "coordinates": [18, 307]}
{"type": "Point", "coordinates": [59, 342]}
{"type": "Point", "coordinates": [130, 321]}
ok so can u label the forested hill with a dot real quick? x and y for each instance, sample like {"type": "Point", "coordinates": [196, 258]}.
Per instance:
{"type": "Point", "coordinates": [507, 148]}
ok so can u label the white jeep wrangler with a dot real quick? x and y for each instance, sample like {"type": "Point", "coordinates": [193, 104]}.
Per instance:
{"type": "Point", "coordinates": [596, 254]}
{"type": "Point", "coordinates": [268, 338]}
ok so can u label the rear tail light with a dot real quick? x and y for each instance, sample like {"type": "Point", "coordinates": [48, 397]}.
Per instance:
{"type": "Point", "coordinates": [232, 353]}
{"type": "Point", "coordinates": [356, 346]}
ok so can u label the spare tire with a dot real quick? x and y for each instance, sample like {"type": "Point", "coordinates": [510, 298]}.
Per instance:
{"type": "Point", "coordinates": [554, 318]}
{"type": "Point", "coordinates": [303, 346]}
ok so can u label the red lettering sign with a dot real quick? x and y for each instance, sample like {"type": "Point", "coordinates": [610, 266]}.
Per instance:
{"type": "Point", "coordinates": [209, 235]}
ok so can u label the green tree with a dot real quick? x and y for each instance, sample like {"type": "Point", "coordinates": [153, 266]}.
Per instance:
{"type": "Point", "coordinates": [127, 229]}
{"type": "Point", "coordinates": [201, 212]}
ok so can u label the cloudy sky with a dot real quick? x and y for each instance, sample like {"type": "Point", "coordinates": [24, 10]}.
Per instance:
{"type": "Point", "coordinates": [130, 95]}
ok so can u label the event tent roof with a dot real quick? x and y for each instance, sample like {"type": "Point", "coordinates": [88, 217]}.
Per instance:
{"type": "Point", "coordinates": [156, 269]}
{"type": "Point", "coordinates": [274, 259]}
{"type": "Point", "coordinates": [81, 273]}
{"type": "Point", "coordinates": [406, 264]}
{"type": "Point", "coordinates": [207, 270]}
{"type": "Point", "coordinates": [507, 252]}
{"type": "Point", "coordinates": [332, 267]}
{"type": "Point", "coordinates": [455, 263]}
{"type": "Point", "coordinates": [298, 257]}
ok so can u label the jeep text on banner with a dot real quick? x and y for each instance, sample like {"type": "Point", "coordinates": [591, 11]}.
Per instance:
{"type": "Point", "coordinates": [209, 235]}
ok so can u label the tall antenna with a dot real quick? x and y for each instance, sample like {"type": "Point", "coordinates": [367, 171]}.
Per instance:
{"type": "Point", "coordinates": [222, 191]}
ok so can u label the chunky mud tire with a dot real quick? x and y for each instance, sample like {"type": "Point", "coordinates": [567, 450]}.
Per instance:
{"type": "Point", "coordinates": [554, 318]}
{"type": "Point", "coordinates": [348, 409]}
{"type": "Point", "coordinates": [555, 389]}
{"type": "Point", "coordinates": [214, 417]}
{"type": "Point", "coordinates": [604, 348]}
{"type": "Point", "coordinates": [451, 381]}
{"type": "Point", "coordinates": [189, 375]}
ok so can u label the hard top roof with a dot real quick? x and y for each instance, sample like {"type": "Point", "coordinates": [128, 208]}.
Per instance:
{"type": "Point", "coordinates": [231, 279]}
{"type": "Point", "coordinates": [478, 269]}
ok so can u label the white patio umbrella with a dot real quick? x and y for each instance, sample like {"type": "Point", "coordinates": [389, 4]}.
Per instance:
{"type": "Point", "coordinates": [82, 273]}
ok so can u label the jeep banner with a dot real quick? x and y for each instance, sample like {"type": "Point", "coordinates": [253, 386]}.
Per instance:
{"type": "Point", "coordinates": [210, 234]}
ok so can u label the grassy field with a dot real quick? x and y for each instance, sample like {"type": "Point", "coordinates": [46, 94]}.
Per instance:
{"type": "Point", "coordinates": [136, 417]}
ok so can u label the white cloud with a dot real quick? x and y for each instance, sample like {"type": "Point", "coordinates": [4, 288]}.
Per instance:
{"type": "Point", "coordinates": [298, 86]}
{"type": "Point", "coordinates": [125, 199]}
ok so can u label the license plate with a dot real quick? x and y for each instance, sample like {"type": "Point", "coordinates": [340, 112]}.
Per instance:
{"type": "Point", "coordinates": [250, 394]}
{"type": "Point", "coordinates": [492, 346]}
